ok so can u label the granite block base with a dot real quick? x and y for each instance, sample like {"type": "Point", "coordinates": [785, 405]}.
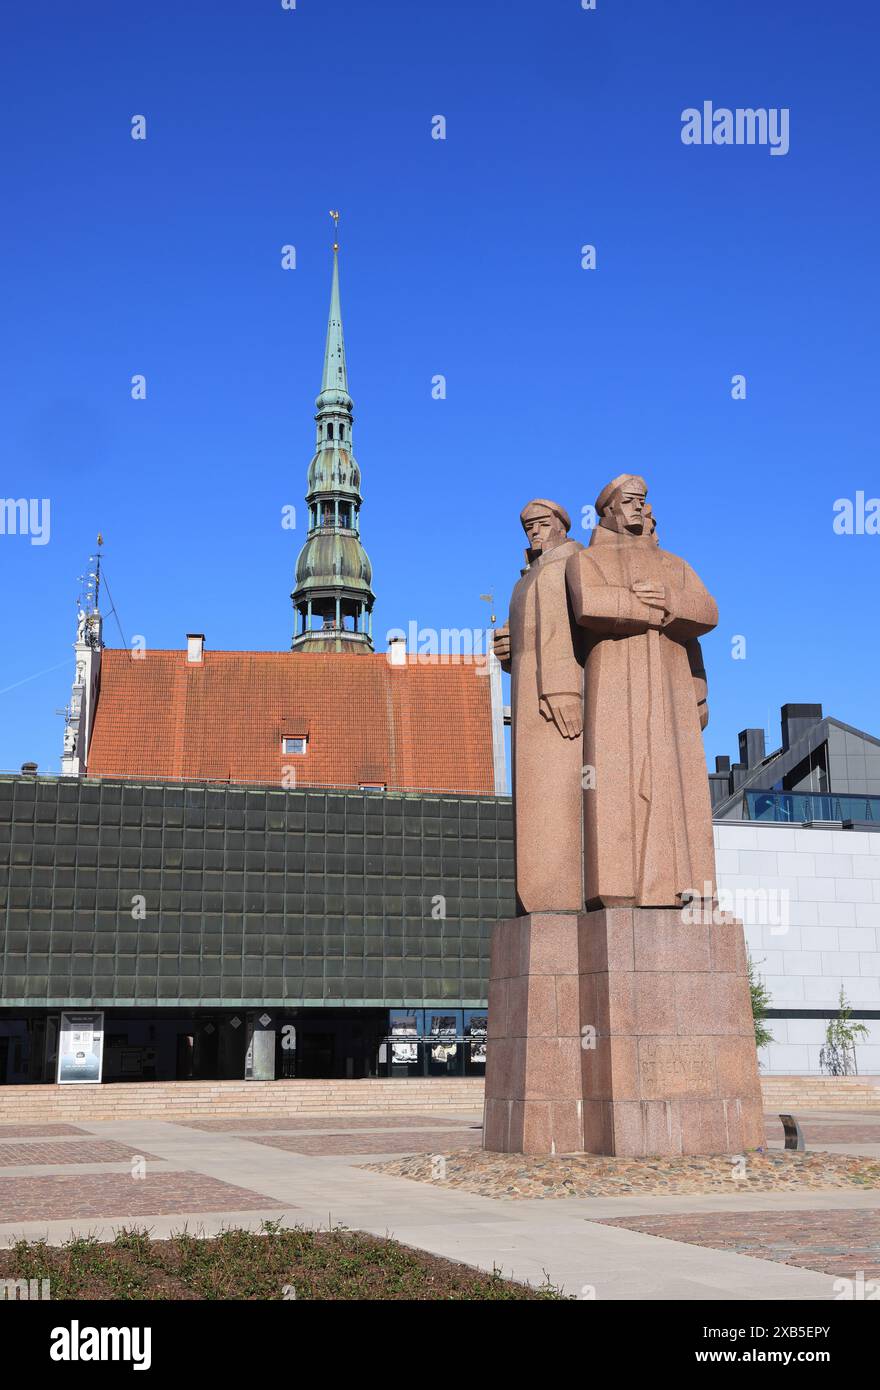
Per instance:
{"type": "Point", "coordinates": [623, 1031]}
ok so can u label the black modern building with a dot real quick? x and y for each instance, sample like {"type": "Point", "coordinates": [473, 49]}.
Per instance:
{"type": "Point", "coordinates": [243, 931]}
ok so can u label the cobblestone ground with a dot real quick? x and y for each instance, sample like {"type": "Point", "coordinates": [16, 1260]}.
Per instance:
{"type": "Point", "coordinates": [842, 1243]}
{"type": "Point", "coordinates": [516, 1176]}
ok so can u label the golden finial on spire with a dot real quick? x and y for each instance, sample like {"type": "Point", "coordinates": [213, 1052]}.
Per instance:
{"type": "Point", "coordinates": [335, 216]}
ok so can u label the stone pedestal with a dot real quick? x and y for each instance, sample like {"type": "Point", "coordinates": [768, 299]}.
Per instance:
{"type": "Point", "coordinates": [622, 1031]}
{"type": "Point", "coordinates": [533, 1056]}
{"type": "Point", "coordinates": [674, 1069]}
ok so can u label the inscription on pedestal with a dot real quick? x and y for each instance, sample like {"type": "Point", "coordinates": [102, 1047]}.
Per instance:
{"type": "Point", "coordinates": [676, 1067]}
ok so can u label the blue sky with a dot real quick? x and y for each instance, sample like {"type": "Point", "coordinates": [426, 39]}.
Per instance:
{"type": "Point", "coordinates": [460, 257]}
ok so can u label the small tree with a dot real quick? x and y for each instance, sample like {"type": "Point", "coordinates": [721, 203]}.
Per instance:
{"type": "Point", "coordinates": [760, 1004]}
{"type": "Point", "coordinates": [838, 1056]}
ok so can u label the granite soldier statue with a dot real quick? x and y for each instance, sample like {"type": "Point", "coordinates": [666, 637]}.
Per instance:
{"type": "Point", "coordinates": [541, 647]}
{"type": "Point", "coordinates": [647, 820]}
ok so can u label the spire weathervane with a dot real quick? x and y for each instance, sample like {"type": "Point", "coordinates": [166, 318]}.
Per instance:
{"type": "Point", "coordinates": [335, 216]}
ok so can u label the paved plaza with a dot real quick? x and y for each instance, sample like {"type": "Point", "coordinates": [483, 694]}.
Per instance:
{"type": "Point", "coordinates": [98, 1176]}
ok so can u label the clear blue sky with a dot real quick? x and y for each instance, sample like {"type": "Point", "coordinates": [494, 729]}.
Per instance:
{"type": "Point", "coordinates": [460, 257]}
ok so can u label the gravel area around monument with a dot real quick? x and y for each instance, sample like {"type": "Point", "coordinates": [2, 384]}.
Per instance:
{"type": "Point", "coordinates": [518, 1176]}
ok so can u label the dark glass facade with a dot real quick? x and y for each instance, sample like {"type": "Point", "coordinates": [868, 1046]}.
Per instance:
{"type": "Point", "coordinates": [182, 904]}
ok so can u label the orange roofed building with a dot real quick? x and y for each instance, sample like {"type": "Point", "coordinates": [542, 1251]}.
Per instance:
{"type": "Point", "coordinates": [310, 719]}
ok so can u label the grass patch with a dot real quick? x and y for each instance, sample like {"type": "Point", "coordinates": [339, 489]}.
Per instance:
{"type": "Point", "coordinates": [275, 1263]}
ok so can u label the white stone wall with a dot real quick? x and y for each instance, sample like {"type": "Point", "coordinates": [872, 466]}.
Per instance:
{"type": "Point", "coordinates": [817, 928]}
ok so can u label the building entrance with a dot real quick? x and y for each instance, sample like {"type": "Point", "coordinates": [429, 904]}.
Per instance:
{"type": "Point", "coordinates": [222, 1045]}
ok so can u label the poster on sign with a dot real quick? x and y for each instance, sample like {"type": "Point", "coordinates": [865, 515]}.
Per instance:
{"type": "Point", "coordinates": [80, 1048]}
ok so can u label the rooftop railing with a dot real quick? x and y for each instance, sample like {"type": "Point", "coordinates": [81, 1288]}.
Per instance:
{"type": "Point", "coordinates": [810, 808]}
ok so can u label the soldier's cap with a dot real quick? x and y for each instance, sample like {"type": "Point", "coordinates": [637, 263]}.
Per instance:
{"type": "Point", "coordinates": [631, 481]}
{"type": "Point", "coordinates": [541, 505]}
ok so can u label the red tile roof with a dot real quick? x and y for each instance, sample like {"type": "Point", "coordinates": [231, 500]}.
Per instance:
{"type": "Point", "coordinates": [417, 726]}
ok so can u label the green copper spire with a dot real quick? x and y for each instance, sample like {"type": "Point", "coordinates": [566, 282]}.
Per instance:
{"type": "Point", "coordinates": [335, 376]}
{"type": "Point", "coordinates": [332, 596]}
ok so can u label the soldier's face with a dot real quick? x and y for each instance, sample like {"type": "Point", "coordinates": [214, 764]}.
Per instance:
{"type": "Point", "coordinates": [628, 510]}
{"type": "Point", "coordinates": [544, 530]}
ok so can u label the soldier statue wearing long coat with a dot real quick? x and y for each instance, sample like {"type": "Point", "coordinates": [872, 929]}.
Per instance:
{"type": "Point", "coordinates": [647, 814]}
{"type": "Point", "coordinates": [541, 646]}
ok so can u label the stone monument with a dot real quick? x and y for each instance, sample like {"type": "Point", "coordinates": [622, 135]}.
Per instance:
{"type": "Point", "coordinates": [623, 1025]}
{"type": "Point", "coordinates": [542, 648]}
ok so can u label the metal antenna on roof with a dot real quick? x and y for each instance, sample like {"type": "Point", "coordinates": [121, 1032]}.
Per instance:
{"type": "Point", "coordinates": [90, 583]}
{"type": "Point", "coordinates": [97, 559]}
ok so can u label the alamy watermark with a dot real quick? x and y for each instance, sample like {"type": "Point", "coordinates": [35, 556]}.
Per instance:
{"type": "Point", "coordinates": [744, 125]}
{"type": "Point", "coordinates": [444, 646]}
{"type": "Point", "coordinates": [26, 516]}
{"type": "Point", "coordinates": [858, 516]}
{"type": "Point", "coordinates": [78, 1343]}
{"type": "Point", "coordinates": [858, 1289]}
{"type": "Point", "coordinates": [765, 907]}
{"type": "Point", "coordinates": [23, 1290]}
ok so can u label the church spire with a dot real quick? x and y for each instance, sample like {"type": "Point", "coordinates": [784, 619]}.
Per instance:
{"type": "Point", "coordinates": [335, 376]}
{"type": "Point", "coordinates": [332, 595]}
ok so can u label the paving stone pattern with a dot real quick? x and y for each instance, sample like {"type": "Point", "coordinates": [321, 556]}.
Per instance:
{"type": "Point", "coordinates": [391, 1141]}
{"type": "Point", "coordinates": [833, 1242]}
{"type": "Point", "coordinates": [81, 1151]}
{"type": "Point", "coordinates": [46, 1131]}
{"type": "Point", "coordinates": [59, 1196]}
{"type": "Point", "coordinates": [245, 1124]}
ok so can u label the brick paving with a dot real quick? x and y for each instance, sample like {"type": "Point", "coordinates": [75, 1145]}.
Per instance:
{"type": "Point", "coordinates": [38, 1131]}
{"type": "Point", "coordinates": [845, 1128]}
{"type": "Point", "coordinates": [246, 1124]}
{"type": "Point", "coordinates": [392, 1141]}
{"type": "Point", "coordinates": [839, 1241]}
{"type": "Point", "coordinates": [832, 1242]}
{"type": "Point", "coordinates": [83, 1151]}
{"type": "Point", "coordinates": [63, 1197]}
{"type": "Point", "coordinates": [840, 1134]}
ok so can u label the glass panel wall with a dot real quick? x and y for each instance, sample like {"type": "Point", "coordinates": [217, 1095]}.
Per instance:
{"type": "Point", "coordinates": [800, 807]}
